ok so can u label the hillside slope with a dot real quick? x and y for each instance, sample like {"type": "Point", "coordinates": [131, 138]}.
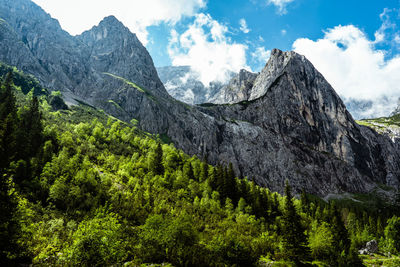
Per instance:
{"type": "Point", "coordinates": [292, 126]}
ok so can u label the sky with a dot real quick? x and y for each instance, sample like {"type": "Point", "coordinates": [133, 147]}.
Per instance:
{"type": "Point", "coordinates": [354, 44]}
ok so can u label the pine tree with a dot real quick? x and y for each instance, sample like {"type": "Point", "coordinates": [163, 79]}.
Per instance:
{"type": "Point", "coordinates": [30, 133]}
{"type": "Point", "coordinates": [158, 167]}
{"type": "Point", "coordinates": [230, 183]}
{"type": "Point", "coordinates": [212, 179]}
{"type": "Point", "coordinates": [305, 203]}
{"type": "Point", "coordinates": [294, 240]}
{"type": "Point", "coordinates": [188, 171]}
{"type": "Point", "coordinates": [341, 241]}
{"type": "Point", "coordinates": [203, 171]}
{"type": "Point", "coordinates": [8, 205]}
{"type": "Point", "coordinates": [8, 123]}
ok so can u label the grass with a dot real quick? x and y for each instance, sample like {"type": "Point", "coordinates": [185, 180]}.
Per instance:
{"type": "Point", "coordinates": [116, 105]}
{"type": "Point", "coordinates": [383, 125]}
{"type": "Point", "coordinates": [132, 84]}
{"type": "Point", "coordinates": [380, 260]}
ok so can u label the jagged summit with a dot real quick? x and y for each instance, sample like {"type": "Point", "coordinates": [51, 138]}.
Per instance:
{"type": "Point", "coordinates": [111, 20]}
{"type": "Point", "coordinates": [274, 67]}
{"type": "Point", "coordinates": [109, 27]}
{"type": "Point", "coordinates": [247, 86]}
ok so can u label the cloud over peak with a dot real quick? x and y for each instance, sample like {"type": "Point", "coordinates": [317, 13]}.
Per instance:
{"type": "Point", "coordinates": [206, 47]}
{"type": "Point", "coordinates": [357, 70]}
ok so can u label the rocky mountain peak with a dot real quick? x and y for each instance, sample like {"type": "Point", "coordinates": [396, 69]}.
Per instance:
{"type": "Point", "coordinates": [114, 50]}
{"type": "Point", "coordinates": [273, 69]}
{"type": "Point", "coordinates": [111, 21]}
{"type": "Point", "coordinates": [109, 28]}
{"type": "Point", "coordinates": [247, 86]}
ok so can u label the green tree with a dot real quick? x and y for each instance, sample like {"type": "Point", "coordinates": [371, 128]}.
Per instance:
{"type": "Point", "coordinates": [156, 158]}
{"type": "Point", "coordinates": [97, 242]}
{"type": "Point", "coordinates": [9, 226]}
{"type": "Point", "coordinates": [392, 235]}
{"type": "Point", "coordinates": [294, 240]}
{"type": "Point", "coordinates": [188, 170]}
{"type": "Point", "coordinates": [30, 130]}
{"type": "Point", "coordinates": [8, 123]}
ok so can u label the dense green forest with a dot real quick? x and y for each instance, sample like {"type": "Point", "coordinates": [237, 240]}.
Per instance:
{"type": "Point", "coordinates": [79, 187]}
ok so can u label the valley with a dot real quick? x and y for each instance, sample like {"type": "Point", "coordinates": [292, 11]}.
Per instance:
{"type": "Point", "coordinates": [108, 160]}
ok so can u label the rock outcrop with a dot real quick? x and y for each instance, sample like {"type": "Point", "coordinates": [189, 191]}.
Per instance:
{"type": "Point", "coordinates": [183, 84]}
{"type": "Point", "coordinates": [288, 122]}
{"type": "Point", "coordinates": [238, 89]}
{"type": "Point", "coordinates": [370, 248]}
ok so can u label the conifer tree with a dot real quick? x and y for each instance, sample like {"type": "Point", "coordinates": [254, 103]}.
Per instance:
{"type": "Point", "coordinates": [158, 167]}
{"type": "Point", "coordinates": [188, 170]}
{"type": "Point", "coordinates": [8, 123]}
{"type": "Point", "coordinates": [230, 183]}
{"type": "Point", "coordinates": [305, 205]}
{"type": "Point", "coordinates": [203, 171]}
{"type": "Point", "coordinates": [30, 134]}
{"type": "Point", "coordinates": [294, 240]}
{"type": "Point", "coordinates": [8, 205]}
{"type": "Point", "coordinates": [341, 241]}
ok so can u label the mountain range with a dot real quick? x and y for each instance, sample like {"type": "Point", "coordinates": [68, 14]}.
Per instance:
{"type": "Point", "coordinates": [285, 122]}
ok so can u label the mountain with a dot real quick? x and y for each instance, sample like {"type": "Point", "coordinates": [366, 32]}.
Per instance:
{"type": "Point", "coordinates": [91, 190]}
{"type": "Point", "coordinates": [288, 124]}
{"type": "Point", "coordinates": [184, 84]}
{"type": "Point", "coordinates": [238, 89]}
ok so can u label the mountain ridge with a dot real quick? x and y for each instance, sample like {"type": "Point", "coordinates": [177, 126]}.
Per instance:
{"type": "Point", "coordinates": [292, 125]}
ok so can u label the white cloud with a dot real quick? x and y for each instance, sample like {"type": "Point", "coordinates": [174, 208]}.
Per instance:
{"type": "Point", "coordinates": [76, 16]}
{"type": "Point", "coordinates": [388, 34]}
{"type": "Point", "coordinates": [280, 4]}
{"type": "Point", "coordinates": [207, 49]}
{"type": "Point", "coordinates": [355, 68]}
{"type": "Point", "coordinates": [260, 56]}
{"type": "Point", "coordinates": [387, 25]}
{"type": "Point", "coordinates": [283, 32]}
{"type": "Point", "coordinates": [243, 26]}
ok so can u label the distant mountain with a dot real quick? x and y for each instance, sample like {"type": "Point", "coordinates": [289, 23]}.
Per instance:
{"type": "Point", "coordinates": [286, 122]}
{"type": "Point", "coordinates": [184, 84]}
{"type": "Point", "coordinates": [397, 110]}
{"type": "Point", "coordinates": [238, 89]}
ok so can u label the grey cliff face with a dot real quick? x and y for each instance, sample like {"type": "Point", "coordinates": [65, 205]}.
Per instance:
{"type": "Point", "coordinates": [80, 66]}
{"type": "Point", "coordinates": [285, 123]}
{"type": "Point", "coordinates": [306, 116]}
{"type": "Point", "coordinates": [115, 50]}
{"type": "Point", "coordinates": [238, 89]}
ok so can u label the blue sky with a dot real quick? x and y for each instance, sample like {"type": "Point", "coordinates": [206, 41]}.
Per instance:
{"type": "Point", "coordinates": [303, 18]}
{"type": "Point", "coordinates": [354, 44]}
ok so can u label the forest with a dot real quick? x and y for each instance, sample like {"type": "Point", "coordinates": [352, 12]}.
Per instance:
{"type": "Point", "coordinates": [79, 187]}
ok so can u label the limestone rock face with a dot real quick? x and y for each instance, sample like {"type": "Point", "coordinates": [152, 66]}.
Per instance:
{"type": "Point", "coordinates": [238, 89]}
{"type": "Point", "coordinates": [115, 50]}
{"type": "Point", "coordinates": [286, 122]}
{"type": "Point", "coordinates": [311, 134]}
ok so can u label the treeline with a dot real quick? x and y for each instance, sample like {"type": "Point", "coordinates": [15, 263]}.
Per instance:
{"type": "Point", "coordinates": [81, 188]}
